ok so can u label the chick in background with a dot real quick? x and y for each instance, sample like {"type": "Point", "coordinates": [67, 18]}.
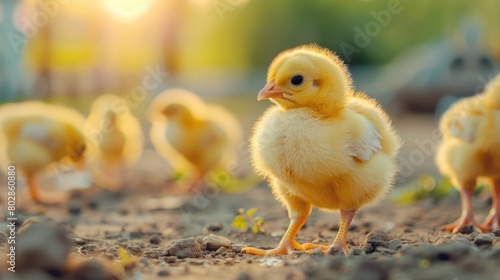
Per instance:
{"type": "Point", "coordinates": [469, 152]}
{"type": "Point", "coordinates": [194, 137]}
{"type": "Point", "coordinates": [116, 138]}
{"type": "Point", "coordinates": [322, 145]}
{"type": "Point", "coordinates": [35, 135]}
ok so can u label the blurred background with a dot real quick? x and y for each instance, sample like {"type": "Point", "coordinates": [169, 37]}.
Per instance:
{"type": "Point", "coordinates": [415, 57]}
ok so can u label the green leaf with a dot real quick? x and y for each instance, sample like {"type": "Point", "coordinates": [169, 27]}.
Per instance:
{"type": "Point", "coordinates": [251, 212]}
{"type": "Point", "coordinates": [239, 222]}
{"type": "Point", "coordinates": [259, 220]}
{"type": "Point", "coordinates": [255, 229]}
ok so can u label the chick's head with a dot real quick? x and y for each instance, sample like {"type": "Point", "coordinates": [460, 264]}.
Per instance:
{"type": "Point", "coordinates": [307, 76]}
{"type": "Point", "coordinates": [178, 113]}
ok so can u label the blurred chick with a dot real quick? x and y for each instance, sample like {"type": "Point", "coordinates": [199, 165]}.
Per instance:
{"type": "Point", "coordinates": [117, 137]}
{"type": "Point", "coordinates": [322, 144]}
{"type": "Point", "coordinates": [193, 136]}
{"type": "Point", "coordinates": [469, 150]}
{"type": "Point", "coordinates": [35, 135]}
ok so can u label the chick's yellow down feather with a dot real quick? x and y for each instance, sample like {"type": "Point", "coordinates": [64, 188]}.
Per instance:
{"type": "Point", "coordinates": [191, 135]}
{"type": "Point", "coordinates": [116, 138]}
{"type": "Point", "coordinates": [34, 135]}
{"type": "Point", "coordinates": [469, 150]}
{"type": "Point", "coordinates": [322, 145]}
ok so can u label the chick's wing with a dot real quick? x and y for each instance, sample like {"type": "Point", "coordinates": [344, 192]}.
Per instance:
{"type": "Point", "coordinates": [464, 126]}
{"type": "Point", "coordinates": [463, 120]}
{"type": "Point", "coordinates": [365, 145]}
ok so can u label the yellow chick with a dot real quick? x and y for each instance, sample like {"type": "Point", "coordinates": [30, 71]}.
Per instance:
{"type": "Point", "coordinates": [322, 145]}
{"type": "Point", "coordinates": [469, 151]}
{"type": "Point", "coordinates": [34, 135]}
{"type": "Point", "coordinates": [116, 138]}
{"type": "Point", "coordinates": [192, 135]}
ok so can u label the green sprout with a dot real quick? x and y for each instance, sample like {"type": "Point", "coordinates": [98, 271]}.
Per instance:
{"type": "Point", "coordinates": [423, 188]}
{"type": "Point", "coordinates": [245, 220]}
{"type": "Point", "coordinates": [426, 187]}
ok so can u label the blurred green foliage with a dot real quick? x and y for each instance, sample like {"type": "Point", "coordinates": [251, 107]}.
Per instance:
{"type": "Point", "coordinates": [426, 187]}
{"type": "Point", "coordinates": [422, 188]}
{"type": "Point", "coordinates": [254, 34]}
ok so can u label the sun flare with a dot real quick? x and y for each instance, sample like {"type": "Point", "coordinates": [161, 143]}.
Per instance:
{"type": "Point", "coordinates": [128, 9]}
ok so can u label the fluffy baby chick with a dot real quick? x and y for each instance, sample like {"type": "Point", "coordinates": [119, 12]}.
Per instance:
{"type": "Point", "coordinates": [35, 135]}
{"type": "Point", "coordinates": [117, 137]}
{"type": "Point", "coordinates": [469, 150]}
{"type": "Point", "coordinates": [192, 135]}
{"type": "Point", "coordinates": [322, 145]}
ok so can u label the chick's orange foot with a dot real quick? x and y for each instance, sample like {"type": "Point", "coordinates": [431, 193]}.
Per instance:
{"type": "Point", "coordinates": [43, 198]}
{"type": "Point", "coordinates": [492, 222]}
{"type": "Point", "coordinates": [464, 221]}
{"type": "Point", "coordinates": [285, 248]}
{"type": "Point", "coordinates": [338, 245]}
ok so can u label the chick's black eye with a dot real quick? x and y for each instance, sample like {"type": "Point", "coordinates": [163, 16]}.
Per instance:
{"type": "Point", "coordinates": [297, 80]}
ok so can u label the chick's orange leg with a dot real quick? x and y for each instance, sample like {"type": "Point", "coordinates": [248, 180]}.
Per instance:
{"type": "Point", "coordinates": [196, 184]}
{"type": "Point", "coordinates": [33, 189]}
{"type": "Point", "coordinates": [298, 211]}
{"type": "Point", "coordinates": [35, 193]}
{"type": "Point", "coordinates": [345, 222]}
{"type": "Point", "coordinates": [493, 219]}
{"type": "Point", "coordinates": [467, 216]}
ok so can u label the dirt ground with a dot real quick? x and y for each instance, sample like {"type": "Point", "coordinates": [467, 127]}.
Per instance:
{"type": "Point", "coordinates": [169, 237]}
{"type": "Point", "coordinates": [404, 242]}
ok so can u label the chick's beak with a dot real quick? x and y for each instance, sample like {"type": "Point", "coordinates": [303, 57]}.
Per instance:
{"type": "Point", "coordinates": [271, 91]}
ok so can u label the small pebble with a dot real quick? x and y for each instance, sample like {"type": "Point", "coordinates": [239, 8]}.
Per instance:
{"type": "Point", "coordinates": [153, 253]}
{"type": "Point", "coordinates": [215, 227]}
{"type": "Point", "coordinates": [186, 248]}
{"type": "Point", "coordinates": [377, 239]}
{"type": "Point", "coordinates": [460, 237]}
{"type": "Point", "coordinates": [243, 276]}
{"type": "Point", "coordinates": [394, 244]}
{"type": "Point", "coordinates": [473, 235]}
{"type": "Point", "coordinates": [80, 242]}
{"type": "Point", "coordinates": [317, 252]}
{"type": "Point", "coordinates": [163, 273]}
{"type": "Point", "coordinates": [145, 261]}
{"type": "Point", "coordinates": [134, 249]}
{"type": "Point", "coordinates": [171, 259]}
{"type": "Point", "coordinates": [155, 239]}
{"type": "Point", "coordinates": [93, 204]}
{"type": "Point", "coordinates": [221, 250]}
{"type": "Point", "coordinates": [75, 208]}
{"type": "Point", "coordinates": [467, 229]}
{"type": "Point", "coordinates": [196, 262]}
{"type": "Point", "coordinates": [385, 251]}
{"type": "Point", "coordinates": [237, 247]}
{"type": "Point", "coordinates": [214, 242]}
{"type": "Point", "coordinates": [89, 247]}
{"type": "Point", "coordinates": [368, 248]}
{"type": "Point", "coordinates": [357, 252]}
{"type": "Point", "coordinates": [484, 239]}
{"type": "Point", "coordinates": [3, 238]}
